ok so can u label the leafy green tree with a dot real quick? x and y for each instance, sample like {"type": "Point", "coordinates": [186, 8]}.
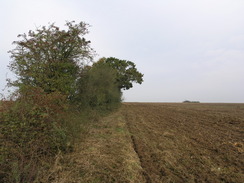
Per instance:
{"type": "Point", "coordinates": [51, 58]}
{"type": "Point", "coordinates": [126, 72]}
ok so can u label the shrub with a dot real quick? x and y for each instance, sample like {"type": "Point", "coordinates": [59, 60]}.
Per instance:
{"type": "Point", "coordinates": [97, 88]}
{"type": "Point", "coordinates": [32, 127]}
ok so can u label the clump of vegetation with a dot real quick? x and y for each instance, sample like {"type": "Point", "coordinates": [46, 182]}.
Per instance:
{"type": "Point", "coordinates": [101, 85]}
{"type": "Point", "coordinates": [97, 89]}
{"type": "Point", "coordinates": [188, 101]}
{"type": "Point", "coordinates": [126, 72]}
{"type": "Point", "coordinates": [55, 85]}
{"type": "Point", "coordinates": [51, 58]}
{"type": "Point", "coordinates": [32, 127]}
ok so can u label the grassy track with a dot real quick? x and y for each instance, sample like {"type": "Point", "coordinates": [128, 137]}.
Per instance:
{"type": "Point", "coordinates": [104, 154]}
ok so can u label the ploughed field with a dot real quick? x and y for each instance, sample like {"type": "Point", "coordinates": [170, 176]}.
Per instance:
{"type": "Point", "coordinates": [160, 142]}
{"type": "Point", "coordinates": [187, 142]}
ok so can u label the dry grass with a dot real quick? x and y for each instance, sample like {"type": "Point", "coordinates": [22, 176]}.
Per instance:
{"type": "Point", "coordinates": [104, 154]}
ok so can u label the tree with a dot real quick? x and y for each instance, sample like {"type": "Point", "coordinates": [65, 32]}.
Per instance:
{"type": "Point", "coordinates": [126, 72]}
{"type": "Point", "coordinates": [51, 58]}
{"type": "Point", "coordinates": [97, 87]}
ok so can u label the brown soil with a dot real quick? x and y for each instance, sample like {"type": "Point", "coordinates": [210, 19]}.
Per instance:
{"type": "Point", "coordinates": [159, 142]}
{"type": "Point", "coordinates": [188, 142]}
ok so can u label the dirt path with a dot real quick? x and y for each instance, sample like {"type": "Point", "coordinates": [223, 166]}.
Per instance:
{"type": "Point", "coordinates": [188, 143]}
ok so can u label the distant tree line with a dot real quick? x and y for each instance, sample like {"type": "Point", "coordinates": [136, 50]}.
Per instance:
{"type": "Point", "coordinates": [56, 80]}
{"type": "Point", "coordinates": [188, 101]}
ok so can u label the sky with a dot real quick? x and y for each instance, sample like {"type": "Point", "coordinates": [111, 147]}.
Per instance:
{"type": "Point", "coordinates": [187, 50]}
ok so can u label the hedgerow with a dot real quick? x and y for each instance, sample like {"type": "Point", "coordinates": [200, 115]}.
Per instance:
{"type": "Point", "coordinates": [55, 84]}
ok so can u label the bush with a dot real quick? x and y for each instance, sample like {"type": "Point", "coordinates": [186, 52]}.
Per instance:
{"type": "Point", "coordinates": [97, 88]}
{"type": "Point", "coordinates": [32, 127]}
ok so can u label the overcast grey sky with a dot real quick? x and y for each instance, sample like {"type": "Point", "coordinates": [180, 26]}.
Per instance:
{"type": "Point", "coordinates": [186, 49]}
